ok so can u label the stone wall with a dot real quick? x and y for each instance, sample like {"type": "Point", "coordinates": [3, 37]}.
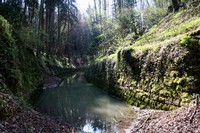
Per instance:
{"type": "Point", "coordinates": [164, 78]}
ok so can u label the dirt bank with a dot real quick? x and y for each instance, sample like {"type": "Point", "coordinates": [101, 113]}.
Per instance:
{"type": "Point", "coordinates": [15, 118]}
{"type": "Point", "coordinates": [184, 120]}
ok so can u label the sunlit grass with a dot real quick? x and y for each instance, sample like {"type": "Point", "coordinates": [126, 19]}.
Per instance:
{"type": "Point", "coordinates": [175, 16]}
{"type": "Point", "coordinates": [181, 27]}
{"type": "Point", "coordinates": [169, 30]}
{"type": "Point", "coordinates": [108, 57]}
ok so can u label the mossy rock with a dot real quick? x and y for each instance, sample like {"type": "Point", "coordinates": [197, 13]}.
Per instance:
{"type": "Point", "coordinates": [7, 49]}
{"type": "Point", "coordinates": [19, 66]}
{"type": "Point", "coordinates": [160, 67]}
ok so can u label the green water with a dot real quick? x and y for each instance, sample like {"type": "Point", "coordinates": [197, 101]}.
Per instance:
{"type": "Point", "coordinates": [85, 106]}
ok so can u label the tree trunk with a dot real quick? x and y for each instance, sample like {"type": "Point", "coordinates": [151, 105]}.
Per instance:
{"type": "Point", "coordinates": [115, 7]}
{"type": "Point", "coordinates": [41, 15]}
{"type": "Point", "coordinates": [105, 8]}
{"type": "Point", "coordinates": [59, 26]}
{"type": "Point", "coordinates": [100, 15]}
{"type": "Point", "coordinates": [175, 5]}
{"type": "Point", "coordinates": [148, 4]}
{"type": "Point", "coordinates": [119, 2]}
{"type": "Point", "coordinates": [25, 9]}
{"type": "Point", "coordinates": [95, 8]}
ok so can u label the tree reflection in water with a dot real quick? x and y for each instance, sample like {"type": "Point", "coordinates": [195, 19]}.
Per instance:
{"type": "Point", "coordinates": [83, 105]}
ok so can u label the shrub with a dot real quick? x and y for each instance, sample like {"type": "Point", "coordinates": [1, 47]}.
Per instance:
{"type": "Point", "coordinates": [188, 41]}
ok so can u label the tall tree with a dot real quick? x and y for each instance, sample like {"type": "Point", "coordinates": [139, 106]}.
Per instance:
{"type": "Point", "coordinates": [119, 2]}
{"type": "Point", "coordinates": [95, 9]}
{"type": "Point", "coordinates": [175, 4]}
{"type": "Point", "coordinates": [105, 7]}
{"type": "Point", "coordinates": [41, 15]}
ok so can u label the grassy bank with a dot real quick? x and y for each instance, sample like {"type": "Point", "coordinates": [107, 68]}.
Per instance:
{"type": "Point", "coordinates": [160, 69]}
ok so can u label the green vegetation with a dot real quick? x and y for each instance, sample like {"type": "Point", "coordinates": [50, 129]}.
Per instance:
{"type": "Point", "coordinates": [146, 52]}
{"type": "Point", "coordinates": [157, 70]}
{"type": "Point", "coordinates": [36, 42]}
{"type": "Point", "coordinates": [188, 41]}
{"type": "Point", "coordinates": [127, 22]}
{"type": "Point", "coordinates": [163, 33]}
{"type": "Point", "coordinates": [19, 66]}
{"type": "Point", "coordinates": [170, 31]}
{"type": "Point", "coordinates": [22, 70]}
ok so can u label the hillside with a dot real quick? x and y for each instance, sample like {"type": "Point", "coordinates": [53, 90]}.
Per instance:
{"type": "Point", "coordinates": [23, 74]}
{"type": "Point", "coordinates": [160, 69]}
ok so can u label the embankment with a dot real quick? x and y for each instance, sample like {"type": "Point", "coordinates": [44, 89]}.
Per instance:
{"type": "Point", "coordinates": [160, 70]}
{"type": "Point", "coordinates": [21, 72]}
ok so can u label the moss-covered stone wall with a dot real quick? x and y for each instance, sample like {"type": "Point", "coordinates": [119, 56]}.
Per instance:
{"type": "Point", "coordinates": [20, 68]}
{"type": "Point", "coordinates": [164, 78]}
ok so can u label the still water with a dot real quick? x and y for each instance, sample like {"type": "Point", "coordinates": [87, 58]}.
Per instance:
{"type": "Point", "coordinates": [85, 106]}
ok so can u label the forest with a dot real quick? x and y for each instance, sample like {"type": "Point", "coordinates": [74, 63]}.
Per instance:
{"type": "Point", "coordinates": [117, 66]}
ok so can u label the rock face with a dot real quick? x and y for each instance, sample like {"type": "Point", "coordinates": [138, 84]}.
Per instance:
{"type": "Point", "coordinates": [163, 78]}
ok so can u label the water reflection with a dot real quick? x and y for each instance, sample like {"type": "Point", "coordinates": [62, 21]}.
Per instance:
{"type": "Point", "coordinates": [83, 105]}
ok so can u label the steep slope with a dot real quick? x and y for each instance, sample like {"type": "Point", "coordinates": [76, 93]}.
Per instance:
{"type": "Point", "coordinates": [159, 70]}
{"type": "Point", "coordinates": [20, 72]}
{"type": "Point", "coordinates": [19, 66]}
